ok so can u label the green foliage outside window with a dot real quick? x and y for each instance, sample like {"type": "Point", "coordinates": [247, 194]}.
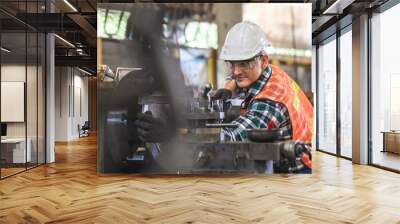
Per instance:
{"type": "Point", "coordinates": [112, 23]}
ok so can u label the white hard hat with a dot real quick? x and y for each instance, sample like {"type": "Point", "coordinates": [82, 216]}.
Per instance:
{"type": "Point", "coordinates": [244, 41]}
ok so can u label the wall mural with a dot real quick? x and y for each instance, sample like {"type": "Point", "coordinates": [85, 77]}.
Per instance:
{"type": "Point", "coordinates": [167, 115]}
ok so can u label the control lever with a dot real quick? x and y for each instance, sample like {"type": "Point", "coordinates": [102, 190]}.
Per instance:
{"type": "Point", "coordinates": [221, 108]}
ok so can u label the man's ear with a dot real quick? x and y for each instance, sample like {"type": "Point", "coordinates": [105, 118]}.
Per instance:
{"type": "Point", "coordinates": [265, 61]}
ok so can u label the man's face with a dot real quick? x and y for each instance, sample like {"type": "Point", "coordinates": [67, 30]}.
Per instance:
{"type": "Point", "coordinates": [247, 72]}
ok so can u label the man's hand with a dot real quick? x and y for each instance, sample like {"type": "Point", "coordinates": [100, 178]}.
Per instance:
{"type": "Point", "coordinates": [151, 129]}
{"type": "Point", "coordinates": [226, 92]}
{"type": "Point", "coordinates": [222, 94]}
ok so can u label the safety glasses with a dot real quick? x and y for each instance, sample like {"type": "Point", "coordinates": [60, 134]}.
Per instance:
{"type": "Point", "coordinates": [242, 65]}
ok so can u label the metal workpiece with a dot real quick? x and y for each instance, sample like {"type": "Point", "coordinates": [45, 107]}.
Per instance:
{"type": "Point", "coordinates": [204, 154]}
{"type": "Point", "coordinates": [254, 151]}
{"type": "Point", "coordinates": [209, 157]}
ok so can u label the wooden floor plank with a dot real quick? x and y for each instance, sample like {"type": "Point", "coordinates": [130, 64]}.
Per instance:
{"type": "Point", "coordinates": [70, 191]}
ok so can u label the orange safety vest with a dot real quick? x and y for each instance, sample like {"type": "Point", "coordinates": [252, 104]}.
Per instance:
{"type": "Point", "coordinates": [282, 89]}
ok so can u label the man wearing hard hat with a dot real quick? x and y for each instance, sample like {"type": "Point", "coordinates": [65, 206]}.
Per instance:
{"type": "Point", "coordinates": [272, 99]}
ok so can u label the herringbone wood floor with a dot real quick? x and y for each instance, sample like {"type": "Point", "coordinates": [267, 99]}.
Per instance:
{"type": "Point", "coordinates": [70, 191]}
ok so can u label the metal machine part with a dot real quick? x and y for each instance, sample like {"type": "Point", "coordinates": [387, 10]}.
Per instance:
{"type": "Point", "coordinates": [214, 155]}
{"type": "Point", "coordinates": [221, 125]}
{"type": "Point", "coordinates": [138, 156]}
{"type": "Point", "coordinates": [264, 134]}
{"type": "Point", "coordinates": [249, 157]}
{"type": "Point", "coordinates": [296, 157]}
{"type": "Point", "coordinates": [198, 156]}
{"type": "Point", "coordinates": [230, 157]}
{"type": "Point", "coordinates": [117, 110]}
{"type": "Point", "coordinates": [105, 73]}
{"type": "Point", "coordinates": [220, 106]}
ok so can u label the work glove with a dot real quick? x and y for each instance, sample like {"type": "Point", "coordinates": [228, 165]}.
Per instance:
{"type": "Point", "coordinates": [232, 114]}
{"type": "Point", "coordinates": [222, 94]}
{"type": "Point", "coordinates": [151, 129]}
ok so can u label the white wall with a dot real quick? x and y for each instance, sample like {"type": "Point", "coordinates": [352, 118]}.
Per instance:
{"type": "Point", "coordinates": [80, 97]}
{"type": "Point", "coordinates": [15, 73]}
{"type": "Point", "coordinates": [61, 103]}
{"type": "Point", "coordinates": [71, 94]}
{"type": "Point", "coordinates": [13, 101]}
{"type": "Point", "coordinates": [33, 126]}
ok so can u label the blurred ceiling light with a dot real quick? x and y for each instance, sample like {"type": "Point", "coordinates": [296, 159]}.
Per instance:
{"type": "Point", "coordinates": [86, 72]}
{"type": "Point", "coordinates": [71, 6]}
{"type": "Point", "coordinates": [65, 41]}
{"type": "Point", "coordinates": [289, 52]}
{"type": "Point", "coordinates": [5, 50]}
{"type": "Point", "coordinates": [337, 7]}
{"type": "Point", "coordinates": [81, 52]}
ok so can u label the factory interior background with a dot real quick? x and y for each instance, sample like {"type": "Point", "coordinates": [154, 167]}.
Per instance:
{"type": "Point", "coordinates": [64, 158]}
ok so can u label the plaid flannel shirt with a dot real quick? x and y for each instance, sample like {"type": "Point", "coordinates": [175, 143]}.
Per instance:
{"type": "Point", "coordinates": [260, 113]}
